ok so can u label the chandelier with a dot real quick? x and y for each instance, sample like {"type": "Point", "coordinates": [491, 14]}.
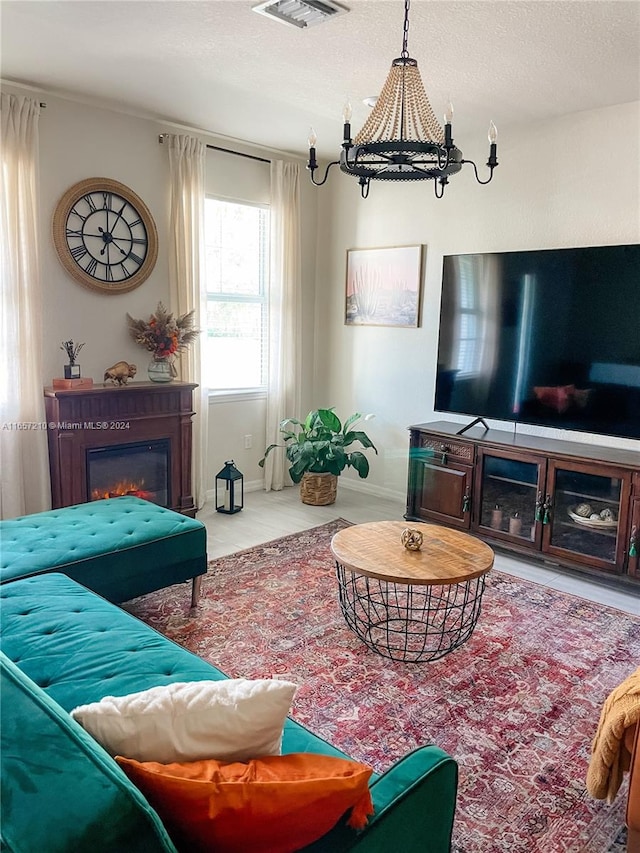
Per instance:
{"type": "Point", "coordinates": [402, 140]}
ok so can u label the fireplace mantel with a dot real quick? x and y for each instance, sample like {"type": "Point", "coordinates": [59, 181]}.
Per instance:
{"type": "Point", "coordinates": [106, 416]}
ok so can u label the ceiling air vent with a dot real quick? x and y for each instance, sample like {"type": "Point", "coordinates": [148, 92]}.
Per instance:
{"type": "Point", "coordinates": [300, 13]}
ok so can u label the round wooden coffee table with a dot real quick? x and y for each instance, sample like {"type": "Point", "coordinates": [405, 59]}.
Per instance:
{"type": "Point", "coordinates": [411, 606]}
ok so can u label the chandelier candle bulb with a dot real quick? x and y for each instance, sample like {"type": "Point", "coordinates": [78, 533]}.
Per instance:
{"type": "Point", "coordinates": [346, 116]}
{"type": "Point", "coordinates": [448, 118]}
{"type": "Point", "coordinates": [448, 113]}
{"type": "Point", "coordinates": [313, 164]}
{"type": "Point", "coordinates": [492, 162]}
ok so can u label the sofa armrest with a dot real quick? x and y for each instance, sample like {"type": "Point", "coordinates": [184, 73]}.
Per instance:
{"type": "Point", "coordinates": [414, 804]}
{"type": "Point", "coordinates": [60, 791]}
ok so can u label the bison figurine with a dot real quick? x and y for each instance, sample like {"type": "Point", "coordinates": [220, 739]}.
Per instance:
{"type": "Point", "coordinates": [120, 373]}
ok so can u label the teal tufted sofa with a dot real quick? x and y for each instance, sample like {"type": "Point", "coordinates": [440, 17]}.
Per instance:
{"type": "Point", "coordinates": [118, 547]}
{"type": "Point", "coordinates": [62, 793]}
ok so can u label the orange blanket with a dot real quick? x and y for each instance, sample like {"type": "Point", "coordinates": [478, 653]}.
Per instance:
{"type": "Point", "coordinates": [609, 755]}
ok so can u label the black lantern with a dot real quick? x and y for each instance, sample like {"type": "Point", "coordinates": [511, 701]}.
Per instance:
{"type": "Point", "coordinates": [230, 498]}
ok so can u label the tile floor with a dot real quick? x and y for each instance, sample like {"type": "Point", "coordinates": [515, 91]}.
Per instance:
{"type": "Point", "coordinates": [269, 515]}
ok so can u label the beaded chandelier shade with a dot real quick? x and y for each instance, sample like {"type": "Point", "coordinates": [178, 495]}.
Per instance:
{"type": "Point", "coordinates": [402, 139]}
{"type": "Point", "coordinates": [402, 111]}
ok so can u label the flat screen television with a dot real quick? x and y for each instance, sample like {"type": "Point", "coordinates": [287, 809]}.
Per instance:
{"type": "Point", "coordinates": [548, 337]}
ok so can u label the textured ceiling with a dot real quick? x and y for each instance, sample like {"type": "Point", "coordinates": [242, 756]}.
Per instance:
{"type": "Point", "coordinates": [220, 67]}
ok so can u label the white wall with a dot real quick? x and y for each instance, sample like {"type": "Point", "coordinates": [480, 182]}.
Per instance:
{"type": "Point", "coordinates": [559, 184]}
{"type": "Point", "coordinates": [79, 141]}
{"type": "Point", "coordinates": [579, 196]}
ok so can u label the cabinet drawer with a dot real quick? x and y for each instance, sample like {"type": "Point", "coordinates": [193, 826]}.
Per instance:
{"type": "Point", "coordinates": [458, 451]}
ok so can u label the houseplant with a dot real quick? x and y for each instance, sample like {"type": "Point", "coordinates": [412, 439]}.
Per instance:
{"type": "Point", "coordinates": [317, 451]}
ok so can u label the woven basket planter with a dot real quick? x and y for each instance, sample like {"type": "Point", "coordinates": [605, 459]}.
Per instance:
{"type": "Point", "coordinates": [318, 489]}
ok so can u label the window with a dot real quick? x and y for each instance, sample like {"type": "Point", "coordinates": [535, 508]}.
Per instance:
{"type": "Point", "coordinates": [477, 333]}
{"type": "Point", "coordinates": [237, 273]}
{"type": "Point", "coordinates": [468, 331]}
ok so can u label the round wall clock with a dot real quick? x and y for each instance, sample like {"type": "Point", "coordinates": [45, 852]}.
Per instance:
{"type": "Point", "coordinates": [105, 235]}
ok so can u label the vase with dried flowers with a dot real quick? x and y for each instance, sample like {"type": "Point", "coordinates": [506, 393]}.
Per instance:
{"type": "Point", "coordinates": [165, 336]}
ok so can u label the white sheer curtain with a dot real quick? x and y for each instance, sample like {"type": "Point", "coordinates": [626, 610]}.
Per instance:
{"type": "Point", "coordinates": [186, 282]}
{"type": "Point", "coordinates": [24, 467]}
{"type": "Point", "coordinates": [285, 339]}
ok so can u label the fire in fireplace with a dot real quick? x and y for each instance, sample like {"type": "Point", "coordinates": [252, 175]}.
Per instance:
{"type": "Point", "coordinates": [140, 469]}
{"type": "Point", "coordinates": [122, 488]}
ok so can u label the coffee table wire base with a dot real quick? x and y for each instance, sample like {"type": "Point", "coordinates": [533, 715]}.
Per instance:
{"type": "Point", "coordinates": [410, 623]}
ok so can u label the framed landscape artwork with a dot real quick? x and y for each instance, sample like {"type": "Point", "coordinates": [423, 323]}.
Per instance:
{"type": "Point", "coordinates": [384, 286]}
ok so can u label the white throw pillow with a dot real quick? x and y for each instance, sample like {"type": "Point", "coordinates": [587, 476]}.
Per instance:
{"type": "Point", "coordinates": [231, 720]}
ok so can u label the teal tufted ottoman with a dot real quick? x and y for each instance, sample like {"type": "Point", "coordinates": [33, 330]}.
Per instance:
{"type": "Point", "coordinates": [118, 547]}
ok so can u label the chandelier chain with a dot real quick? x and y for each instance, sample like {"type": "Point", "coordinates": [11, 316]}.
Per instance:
{"type": "Point", "coordinates": [405, 35]}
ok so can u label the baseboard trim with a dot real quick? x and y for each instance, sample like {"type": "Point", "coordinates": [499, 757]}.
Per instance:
{"type": "Point", "coordinates": [370, 489]}
{"type": "Point", "coordinates": [343, 483]}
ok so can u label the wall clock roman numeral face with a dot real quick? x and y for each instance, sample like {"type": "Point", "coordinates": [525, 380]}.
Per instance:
{"type": "Point", "coordinates": [105, 235]}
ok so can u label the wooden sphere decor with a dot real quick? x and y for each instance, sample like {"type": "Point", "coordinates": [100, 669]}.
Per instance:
{"type": "Point", "coordinates": [105, 235]}
{"type": "Point", "coordinates": [412, 539]}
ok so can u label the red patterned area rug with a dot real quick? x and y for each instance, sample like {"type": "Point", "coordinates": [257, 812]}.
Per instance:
{"type": "Point", "coordinates": [517, 705]}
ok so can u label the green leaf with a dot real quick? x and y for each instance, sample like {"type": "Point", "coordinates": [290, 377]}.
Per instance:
{"type": "Point", "coordinates": [309, 421]}
{"type": "Point", "coordinates": [266, 453]}
{"type": "Point", "coordinates": [329, 419]}
{"type": "Point", "coordinates": [360, 462]}
{"type": "Point", "coordinates": [362, 437]}
{"type": "Point", "coordinates": [334, 467]}
{"type": "Point", "coordinates": [350, 421]}
{"type": "Point", "coordinates": [296, 471]}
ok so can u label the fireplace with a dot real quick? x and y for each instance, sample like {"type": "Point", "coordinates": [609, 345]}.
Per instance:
{"type": "Point", "coordinates": [134, 439]}
{"type": "Point", "coordinates": [140, 469]}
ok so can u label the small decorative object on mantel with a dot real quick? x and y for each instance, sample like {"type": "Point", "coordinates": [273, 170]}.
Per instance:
{"type": "Point", "coordinates": [71, 370]}
{"type": "Point", "coordinates": [229, 489]}
{"type": "Point", "coordinates": [80, 384]}
{"type": "Point", "coordinates": [120, 373]}
{"type": "Point", "coordinates": [165, 336]}
{"type": "Point", "coordinates": [412, 539]}
{"type": "Point", "coordinates": [72, 377]}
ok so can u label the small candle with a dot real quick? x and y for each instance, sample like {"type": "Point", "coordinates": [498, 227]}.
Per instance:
{"type": "Point", "coordinates": [496, 518]}
{"type": "Point", "coordinates": [515, 525]}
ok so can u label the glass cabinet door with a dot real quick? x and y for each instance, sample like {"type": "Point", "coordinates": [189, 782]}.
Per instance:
{"type": "Point", "coordinates": [442, 493]}
{"type": "Point", "coordinates": [510, 497]}
{"type": "Point", "coordinates": [584, 513]}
